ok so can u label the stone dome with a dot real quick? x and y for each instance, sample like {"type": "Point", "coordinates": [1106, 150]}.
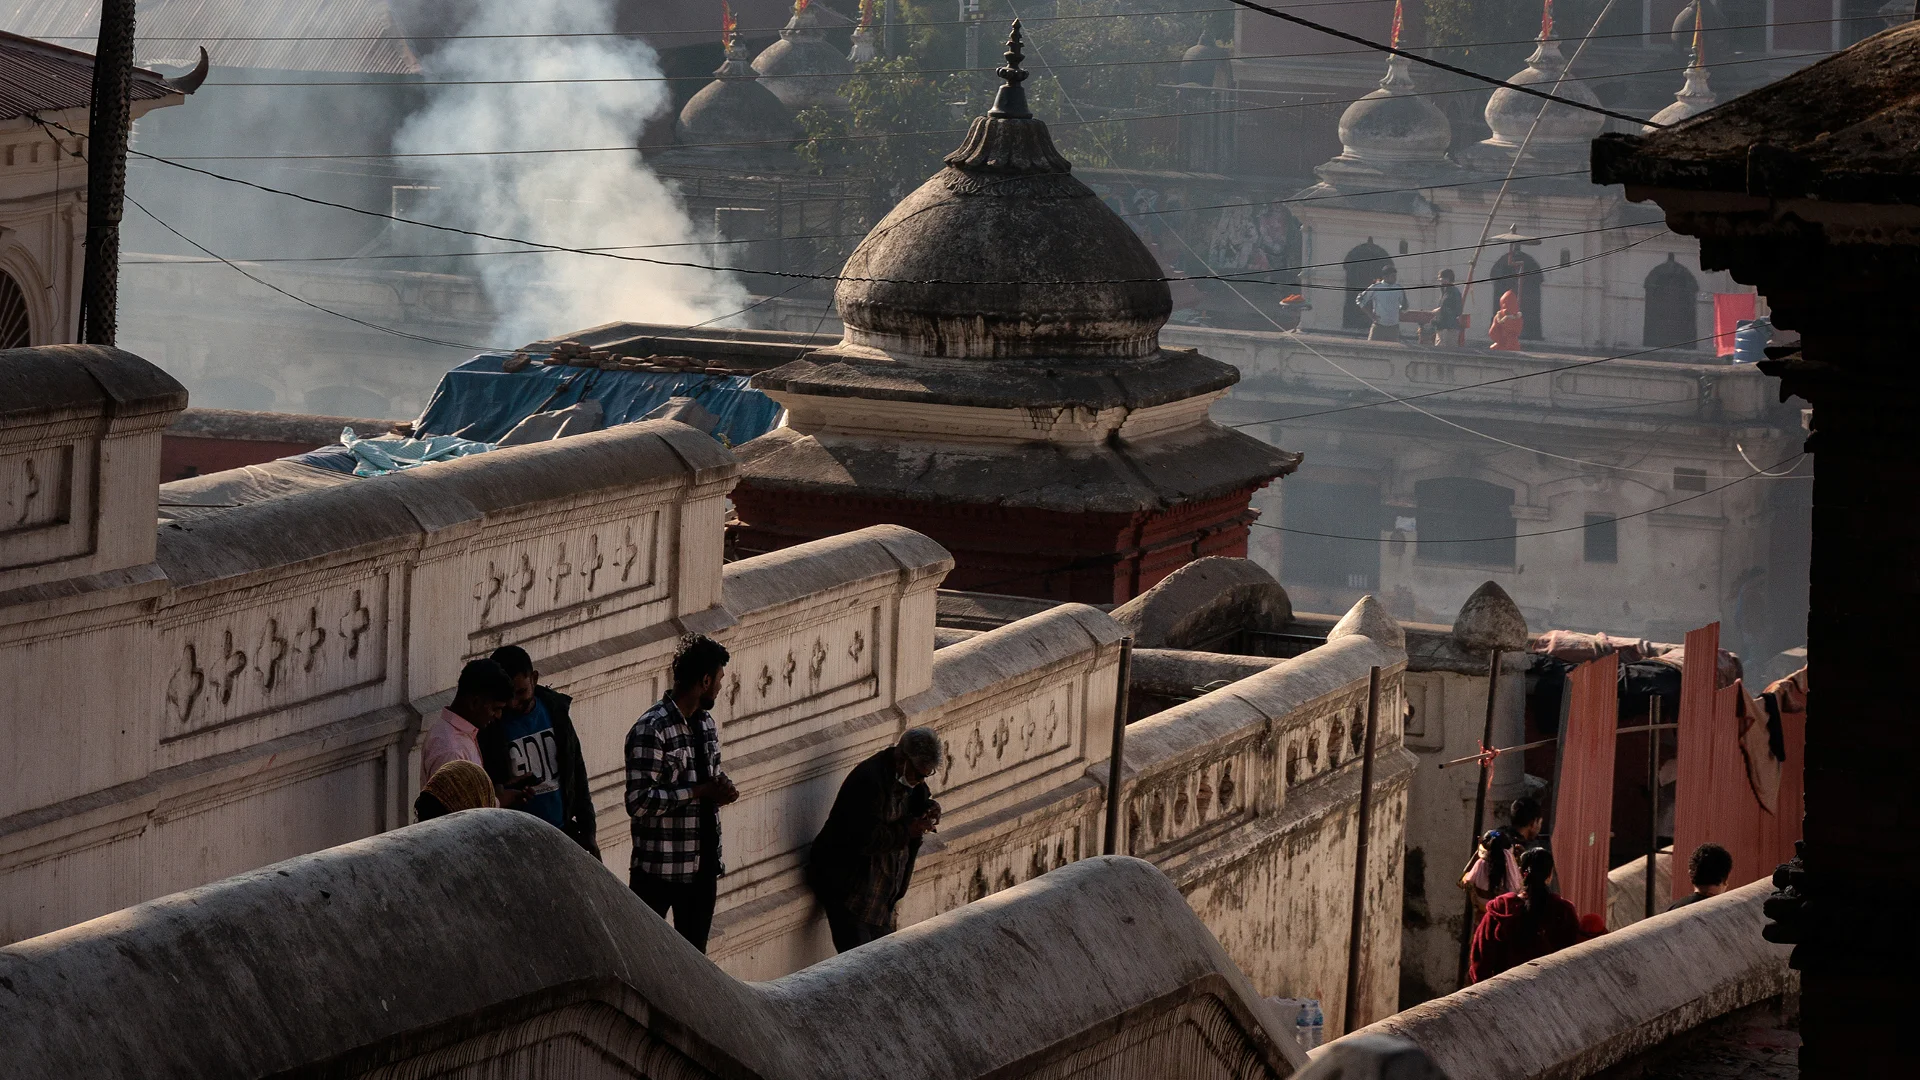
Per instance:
{"type": "Point", "coordinates": [1394, 124]}
{"type": "Point", "coordinates": [735, 109]}
{"type": "Point", "coordinates": [1694, 98]}
{"type": "Point", "coordinates": [1004, 254]}
{"type": "Point", "coordinates": [1203, 63]}
{"type": "Point", "coordinates": [1563, 130]}
{"type": "Point", "coordinates": [801, 69]}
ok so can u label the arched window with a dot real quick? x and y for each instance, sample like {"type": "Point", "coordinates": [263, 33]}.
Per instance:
{"type": "Point", "coordinates": [1364, 265]}
{"type": "Point", "coordinates": [1673, 308]}
{"type": "Point", "coordinates": [1463, 520]}
{"type": "Point", "coordinates": [1517, 270]}
{"type": "Point", "coordinates": [16, 330]}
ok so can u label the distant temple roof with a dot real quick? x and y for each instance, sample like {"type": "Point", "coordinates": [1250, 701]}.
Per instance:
{"type": "Point", "coordinates": [964, 267]}
{"type": "Point", "coordinates": [801, 69]}
{"type": "Point", "coordinates": [349, 36]}
{"type": "Point", "coordinates": [38, 77]}
{"type": "Point", "coordinates": [1842, 130]}
{"type": "Point", "coordinates": [736, 111]}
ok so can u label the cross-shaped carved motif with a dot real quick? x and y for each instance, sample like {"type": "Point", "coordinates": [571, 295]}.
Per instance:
{"type": "Point", "coordinates": [1053, 719]}
{"type": "Point", "coordinates": [29, 492]}
{"type": "Point", "coordinates": [733, 689]}
{"type": "Point", "coordinates": [356, 623]}
{"type": "Point", "coordinates": [311, 638]}
{"type": "Point", "coordinates": [486, 592]}
{"type": "Point", "coordinates": [1002, 735]}
{"type": "Point", "coordinates": [792, 666]}
{"type": "Point", "coordinates": [184, 688]}
{"type": "Point", "coordinates": [976, 747]}
{"type": "Point", "coordinates": [766, 679]}
{"type": "Point", "coordinates": [561, 571]}
{"type": "Point", "coordinates": [273, 653]}
{"type": "Point", "coordinates": [628, 556]}
{"type": "Point", "coordinates": [819, 664]}
{"type": "Point", "coordinates": [859, 646]}
{"type": "Point", "coordinates": [232, 666]}
{"type": "Point", "coordinates": [590, 568]}
{"type": "Point", "coordinates": [524, 585]}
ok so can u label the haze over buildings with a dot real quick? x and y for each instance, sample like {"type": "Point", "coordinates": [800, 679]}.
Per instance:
{"type": "Point", "coordinates": [1258, 459]}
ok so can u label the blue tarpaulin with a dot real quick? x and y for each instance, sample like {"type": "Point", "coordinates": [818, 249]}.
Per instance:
{"type": "Point", "coordinates": [480, 400]}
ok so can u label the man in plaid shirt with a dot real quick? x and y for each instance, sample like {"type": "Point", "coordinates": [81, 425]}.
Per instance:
{"type": "Point", "coordinates": [675, 789]}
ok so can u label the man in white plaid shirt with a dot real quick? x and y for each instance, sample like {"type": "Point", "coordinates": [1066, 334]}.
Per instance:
{"type": "Point", "coordinates": [675, 789]}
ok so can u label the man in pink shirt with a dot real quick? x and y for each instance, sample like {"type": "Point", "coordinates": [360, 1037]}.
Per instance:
{"type": "Point", "coordinates": [483, 692]}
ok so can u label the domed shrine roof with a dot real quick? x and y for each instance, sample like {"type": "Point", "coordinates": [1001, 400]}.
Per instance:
{"type": "Point", "coordinates": [1205, 64]}
{"type": "Point", "coordinates": [1004, 254]}
{"type": "Point", "coordinates": [1563, 131]}
{"type": "Point", "coordinates": [1394, 130]}
{"type": "Point", "coordinates": [802, 69]}
{"type": "Point", "coordinates": [735, 111]}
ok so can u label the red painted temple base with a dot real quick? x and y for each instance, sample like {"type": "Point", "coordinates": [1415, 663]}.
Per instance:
{"type": "Point", "coordinates": [1091, 558]}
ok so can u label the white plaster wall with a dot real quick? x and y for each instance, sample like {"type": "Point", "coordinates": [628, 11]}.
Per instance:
{"type": "Point", "coordinates": [1597, 300]}
{"type": "Point", "coordinates": [1447, 720]}
{"type": "Point", "coordinates": [1248, 798]}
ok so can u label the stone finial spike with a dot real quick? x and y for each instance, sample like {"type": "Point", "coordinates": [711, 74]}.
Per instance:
{"type": "Point", "coordinates": [1490, 620]}
{"type": "Point", "coordinates": [1011, 102]}
{"type": "Point", "coordinates": [1369, 619]}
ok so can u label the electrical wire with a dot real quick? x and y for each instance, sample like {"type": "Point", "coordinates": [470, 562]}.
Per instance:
{"type": "Point", "coordinates": [1440, 64]}
{"type": "Point", "coordinates": [1295, 334]}
{"type": "Point", "coordinates": [784, 142]}
{"type": "Point", "coordinates": [1488, 382]}
{"type": "Point", "coordinates": [296, 298]}
{"type": "Point", "coordinates": [684, 264]}
{"type": "Point", "coordinates": [1795, 459]}
{"type": "Point", "coordinates": [914, 73]}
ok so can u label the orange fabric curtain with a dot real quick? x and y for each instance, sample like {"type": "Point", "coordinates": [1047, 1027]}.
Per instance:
{"type": "Point", "coordinates": [1693, 794]}
{"type": "Point", "coordinates": [1714, 798]}
{"type": "Point", "coordinates": [1583, 800]}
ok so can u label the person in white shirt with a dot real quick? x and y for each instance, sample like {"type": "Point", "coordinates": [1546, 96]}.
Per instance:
{"type": "Point", "coordinates": [481, 695]}
{"type": "Point", "coordinates": [1383, 301]}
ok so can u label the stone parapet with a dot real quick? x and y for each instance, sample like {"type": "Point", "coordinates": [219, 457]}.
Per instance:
{"type": "Point", "coordinates": [1603, 1001]}
{"type": "Point", "coordinates": [518, 955]}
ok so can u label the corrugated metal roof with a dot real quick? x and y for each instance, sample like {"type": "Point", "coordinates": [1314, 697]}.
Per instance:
{"type": "Point", "coordinates": [38, 77]}
{"type": "Point", "coordinates": [348, 36]}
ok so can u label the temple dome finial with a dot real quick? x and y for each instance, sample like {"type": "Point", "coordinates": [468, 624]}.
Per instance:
{"type": "Point", "coordinates": [1011, 102]}
{"type": "Point", "coordinates": [1048, 269]}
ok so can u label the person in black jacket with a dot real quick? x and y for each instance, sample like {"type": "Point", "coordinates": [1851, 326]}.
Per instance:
{"type": "Point", "coordinates": [862, 861]}
{"type": "Point", "coordinates": [533, 753]}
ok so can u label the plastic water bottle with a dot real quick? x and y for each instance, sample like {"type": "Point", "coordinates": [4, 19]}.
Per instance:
{"type": "Point", "coordinates": [1310, 1025]}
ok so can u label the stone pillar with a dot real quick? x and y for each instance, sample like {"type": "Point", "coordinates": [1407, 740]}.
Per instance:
{"type": "Point", "coordinates": [1861, 848]}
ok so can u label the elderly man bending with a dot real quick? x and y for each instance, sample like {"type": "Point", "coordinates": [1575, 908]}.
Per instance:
{"type": "Point", "coordinates": [863, 858]}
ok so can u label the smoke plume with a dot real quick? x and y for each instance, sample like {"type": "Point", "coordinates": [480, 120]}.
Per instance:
{"type": "Point", "coordinates": [598, 200]}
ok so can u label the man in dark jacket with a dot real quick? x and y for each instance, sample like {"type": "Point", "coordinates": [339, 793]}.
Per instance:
{"type": "Point", "coordinates": [534, 751]}
{"type": "Point", "coordinates": [862, 860]}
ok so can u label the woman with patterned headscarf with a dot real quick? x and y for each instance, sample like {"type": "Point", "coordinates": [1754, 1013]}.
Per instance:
{"type": "Point", "coordinates": [457, 785]}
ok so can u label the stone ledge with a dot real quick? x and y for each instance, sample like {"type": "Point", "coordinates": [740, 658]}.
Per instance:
{"type": "Point", "coordinates": [1605, 1000]}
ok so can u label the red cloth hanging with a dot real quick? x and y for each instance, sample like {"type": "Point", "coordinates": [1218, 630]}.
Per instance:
{"type": "Point", "coordinates": [1728, 310]}
{"type": "Point", "coordinates": [1714, 797]}
{"type": "Point", "coordinates": [1693, 779]}
{"type": "Point", "coordinates": [1583, 803]}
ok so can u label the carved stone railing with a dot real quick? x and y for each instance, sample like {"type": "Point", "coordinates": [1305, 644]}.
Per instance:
{"type": "Point", "coordinates": [1246, 797]}
{"type": "Point", "coordinates": [1024, 711]}
{"type": "Point", "coordinates": [267, 698]}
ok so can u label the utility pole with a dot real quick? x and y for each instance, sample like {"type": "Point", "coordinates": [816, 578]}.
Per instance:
{"type": "Point", "coordinates": [890, 28]}
{"type": "Point", "coordinates": [109, 119]}
{"type": "Point", "coordinates": [970, 14]}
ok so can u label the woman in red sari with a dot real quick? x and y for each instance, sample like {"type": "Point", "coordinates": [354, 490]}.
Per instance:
{"type": "Point", "coordinates": [1524, 925]}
